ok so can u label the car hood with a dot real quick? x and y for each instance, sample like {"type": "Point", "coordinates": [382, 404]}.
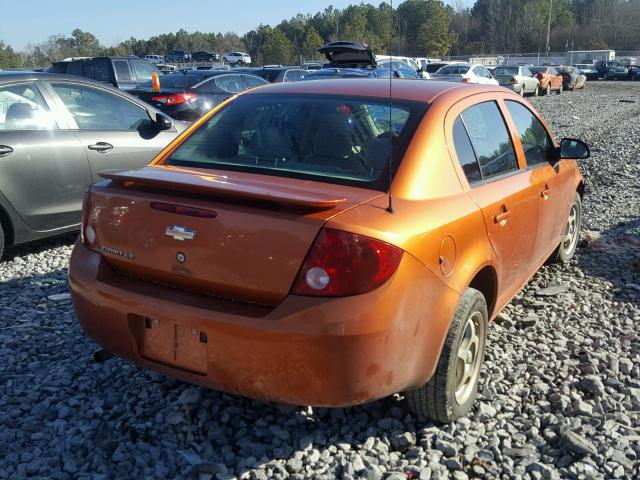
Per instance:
{"type": "Point", "coordinates": [348, 54]}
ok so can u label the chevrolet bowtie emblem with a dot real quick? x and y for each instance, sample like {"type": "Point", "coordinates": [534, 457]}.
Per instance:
{"type": "Point", "coordinates": [180, 233]}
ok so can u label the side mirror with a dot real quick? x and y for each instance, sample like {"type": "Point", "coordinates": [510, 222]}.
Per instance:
{"type": "Point", "coordinates": [163, 122]}
{"type": "Point", "coordinates": [571, 148]}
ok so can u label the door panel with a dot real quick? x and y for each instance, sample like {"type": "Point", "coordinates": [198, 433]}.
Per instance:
{"type": "Point", "coordinates": [43, 168]}
{"type": "Point", "coordinates": [45, 177]}
{"type": "Point", "coordinates": [510, 211]}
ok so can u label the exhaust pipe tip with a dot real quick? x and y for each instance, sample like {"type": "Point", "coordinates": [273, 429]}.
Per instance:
{"type": "Point", "coordinates": [102, 355]}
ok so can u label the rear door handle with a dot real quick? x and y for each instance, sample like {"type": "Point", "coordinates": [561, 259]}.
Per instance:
{"type": "Point", "coordinates": [5, 150]}
{"type": "Point", "coordinates": [502, 217]}
{"type": "Point", "coordinates": [101, 147]}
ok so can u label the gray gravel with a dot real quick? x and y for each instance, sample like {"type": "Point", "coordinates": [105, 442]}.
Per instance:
{"type": "Point", "coordinates": [560, 393]}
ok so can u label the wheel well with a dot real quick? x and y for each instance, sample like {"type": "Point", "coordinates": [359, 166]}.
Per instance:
{"type": "Point", "coordinates": [580, 189]}
{"type": "Point", "coordinates": [7, 227]}
{"type": "Point", "coordinates": [486, 281]}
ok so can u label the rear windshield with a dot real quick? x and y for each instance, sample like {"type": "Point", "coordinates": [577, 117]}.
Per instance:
{"type": "Point", "coordinates": [334, 139]}
{"type": "Point", "coordinates": [180, 80]}
{"type": "Point", "coordinates": [453, 70]}
{"type": "Point", "coordinates": [505, 71]}
{"type": "Point", "coordinates": [538, 69]}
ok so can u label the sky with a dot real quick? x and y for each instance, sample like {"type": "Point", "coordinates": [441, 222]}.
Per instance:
{"type": "Point", "coordinates": [113, 21]}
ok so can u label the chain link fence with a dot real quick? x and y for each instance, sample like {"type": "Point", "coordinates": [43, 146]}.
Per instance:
{"type": "Point", "coordinates": [557, 58]}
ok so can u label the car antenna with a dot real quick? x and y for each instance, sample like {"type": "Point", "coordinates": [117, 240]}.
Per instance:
{"type": "Point", "coordinates": [390, 204]}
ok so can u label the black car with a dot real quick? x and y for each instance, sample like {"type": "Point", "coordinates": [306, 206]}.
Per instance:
{"type": "Point", "coordinates": [125, 73]}
{"type": "Point", "coordinates": [189, 94]}
{"type": "Point", "coordinates": [178, 56]}
{"type": "Point", "coordinates": [204, 56]}
{"type": "Point", "coordinates": [348, 55]}
{"type": "Point", "coordinates": [276, 74]}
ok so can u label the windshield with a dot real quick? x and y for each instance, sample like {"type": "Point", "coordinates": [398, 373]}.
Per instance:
{"type": "Point", "coordinates": [538, 69]}
{"type": "Point", "coordinates": [180, 80]}
{"type": "Point", "coordinates": [335, 139]}
{"type": "Point", "coordinates": [453, 70]}
{"type": "Point", "coordinates": [505, 71]}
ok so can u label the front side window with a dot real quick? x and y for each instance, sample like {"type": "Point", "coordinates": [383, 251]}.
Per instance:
{"type": "Point", "coordinates": [317, 137]}
{"type": "Point", "coordinates": [537, 145]}
{"type": "Point", "coordinates": [123, 72]}
{"type": "Point", "coordinates": [94, 109]}
{"type": "Point", "coordinates": [293, 75]}
{"type": "Point", "coordinates": [254, 81]}
{"type": "Point", "coordinates": [490, 139]}
{"type": "Point", "coordinates": [23, 108]}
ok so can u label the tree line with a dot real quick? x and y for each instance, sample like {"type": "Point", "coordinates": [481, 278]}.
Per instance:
{"type": "Point", "coordinates": [415, 28]}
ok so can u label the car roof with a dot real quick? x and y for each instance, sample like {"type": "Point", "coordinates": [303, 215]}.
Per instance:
{"type": "Point", "coordinates": [405, 89]}
{"type": "Point", "coordinates": [20, 75]}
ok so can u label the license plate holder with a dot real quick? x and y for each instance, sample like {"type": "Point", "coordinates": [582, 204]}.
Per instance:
{"type": "Point", "coordinates": [174, 344]}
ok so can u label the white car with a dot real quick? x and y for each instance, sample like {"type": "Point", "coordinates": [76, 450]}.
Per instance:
{"type": "Point", "coordinates": [466, 73]}
{"type": "Point", "coordinates": [409, 62]}
{"type": "Point", "coordinates": [237, 58]}
{"type": "Point", "coordinates": [155, 59]}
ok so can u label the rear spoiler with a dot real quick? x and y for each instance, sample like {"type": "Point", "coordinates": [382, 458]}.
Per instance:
{"type": "Point", "coordinates": [173, 179]}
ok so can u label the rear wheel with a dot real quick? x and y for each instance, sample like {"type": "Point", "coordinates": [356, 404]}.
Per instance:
{"type": "Point", "coordinates": [452, 390]}
{"type": "Point", "coordinates": [564, 252]}
{"type": "Point", "coordinates": [560, 89]}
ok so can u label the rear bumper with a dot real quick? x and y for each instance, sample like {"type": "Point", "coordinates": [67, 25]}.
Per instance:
{"type": "Point", "coordinates": [305, 351]}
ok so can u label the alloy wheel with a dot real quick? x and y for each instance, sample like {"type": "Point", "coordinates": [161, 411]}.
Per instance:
{"type": "Point", "coordinates": [571, 232]}
{"type": "Point", "coordinates": [469, 357]}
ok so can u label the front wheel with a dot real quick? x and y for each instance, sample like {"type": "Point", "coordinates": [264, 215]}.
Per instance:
{"type": "Point", "coordinates": [548, 89]}
{"type": "Point", "coordinates": [567, 248]}
{"type": "Point", "coordinates": [560, 90]}
{"type": "Point", "coordinates": [452, 390]}
{"type": "Point", "coordinates": [536, 92]}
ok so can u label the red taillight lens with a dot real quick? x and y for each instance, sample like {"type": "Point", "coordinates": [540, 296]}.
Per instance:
{"type": "Point", "coordinates": [540, 76]}
{"type": "Point", "coordinates": [87, 232]}
{"type": "Point", "coordinates": [466, 79]}
{"type": "Point", "coordinates": [176, 99]}
{"type": "Point", "coordinates": [342, 263]}
{"type": "Point", "coordinates": [513, 80]}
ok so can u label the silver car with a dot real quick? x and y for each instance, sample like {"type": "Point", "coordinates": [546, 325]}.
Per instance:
{"type": "Point", "coordinates": [56, 133]}
{"type": "Point", "coordinates": [518, 78]}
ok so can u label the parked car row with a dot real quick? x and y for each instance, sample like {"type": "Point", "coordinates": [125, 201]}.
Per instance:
{"type": "Point", "coordinates": [182, 56]}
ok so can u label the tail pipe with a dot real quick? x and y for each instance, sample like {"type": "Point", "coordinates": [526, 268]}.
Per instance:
{"type": "Point", "coordinates": [102, 355]}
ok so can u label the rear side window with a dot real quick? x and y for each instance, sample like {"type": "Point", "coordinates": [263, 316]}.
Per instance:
{"type": "Point", "coordinates": [465, 153]}
{"type": "Point", "coordinates": [180, 80]}
{"type": "Point", "coordinates": [254, 81]}
{"type": "Point", "coordinates": [123, 72]}
{"type": "Point", "coordinates": [453, 70]}
{"type": "Point", "coordinates": [333, 139]}
{"type": "Point", "coordinates": [490, 139]}
{"type": "Point", "coordinates": [230, 83]}
{"type": "Point", "coordinates": [537, 145]}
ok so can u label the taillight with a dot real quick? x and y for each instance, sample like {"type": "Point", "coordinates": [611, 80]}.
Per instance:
{"type": "Point", "coordinates": [87, 232]}
{"type": "Point", "coordinates": [540, 76]}
{"type": "Point", "coordinates": [175, 99]}
{"type": "Point", "coordinates": [342, 263]}
{"type": "Point", "coordinates": [466, 79]}
{"type": "Point", "coordinates": [513, 80]}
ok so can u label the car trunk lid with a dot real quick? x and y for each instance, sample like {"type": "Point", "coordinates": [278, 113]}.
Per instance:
{"type": "Point", "coordinates": [234, 235]}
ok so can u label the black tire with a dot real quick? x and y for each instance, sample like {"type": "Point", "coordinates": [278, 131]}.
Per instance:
{"type": "Point", "coordinates": [567, 247]}
{"type": "Point", "coordinates": [536, 92]}
{"type": "Point", "coordinates": [548, 89]}
{"type": "Point", "coordinates": [439, 399]}
{"type": "Point", "coordinates": [560, 90]}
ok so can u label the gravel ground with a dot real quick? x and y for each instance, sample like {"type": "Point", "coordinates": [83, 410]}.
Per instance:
{"type": "Point", "coordinates": [560, 392]}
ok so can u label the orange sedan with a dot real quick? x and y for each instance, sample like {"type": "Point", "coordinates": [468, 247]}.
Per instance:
{"type": "Point", "coordinates": [314, 243]}
{"type": "Point", "coordinates": [550, 79]}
